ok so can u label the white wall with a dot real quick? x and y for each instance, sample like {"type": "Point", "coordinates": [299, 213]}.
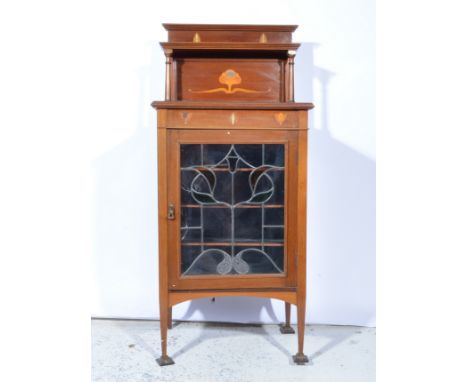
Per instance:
{"type": "Point", "coordinates": [334, 69]}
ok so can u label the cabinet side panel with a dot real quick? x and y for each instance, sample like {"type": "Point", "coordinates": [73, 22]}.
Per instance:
{"type": "Point", "coordinates": [302, 207]}
{"type": "Point", "coordinates": [292, 209]}
{"type": "Point", "coordinates": [162, 210]}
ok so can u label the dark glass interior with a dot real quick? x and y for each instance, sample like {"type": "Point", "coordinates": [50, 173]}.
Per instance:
{"type": "Point", "coordinates": [232, 213]}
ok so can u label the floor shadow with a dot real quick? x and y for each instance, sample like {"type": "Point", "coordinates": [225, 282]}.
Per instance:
{"type": "Point", "coordinates": [212, 330]}
{"type": "Point", "coordinates": [333, 340]}
{"type": "Point", "coordinates": [138, 340]}
{"type": "Point", "coordinates": [242, 328]}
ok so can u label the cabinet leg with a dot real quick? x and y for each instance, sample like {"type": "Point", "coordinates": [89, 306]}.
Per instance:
{"type": "Point", "coordinates": [169, 318]}
{"type": "Point", "coordinates": [287, 328]}
{"type": "Point", "coordinates": [300, 358]}
{"type": "Point", "coordinates": [164, 360]}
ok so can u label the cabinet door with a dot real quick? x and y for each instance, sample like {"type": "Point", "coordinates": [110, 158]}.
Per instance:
{"type": "Point", "coordinates": [234, 203]}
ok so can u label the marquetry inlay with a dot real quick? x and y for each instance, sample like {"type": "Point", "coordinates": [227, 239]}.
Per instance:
{"type": "Point", "coordinates": [196, 38]}
{"type": "Point", "coordinates": [186, 117]}
{"type": "Point", "coordinates": [229, 78]}
{"type": "Point", "coordinates": [280, 118]}
{"type": "Point", "coordinates": [233, 118]}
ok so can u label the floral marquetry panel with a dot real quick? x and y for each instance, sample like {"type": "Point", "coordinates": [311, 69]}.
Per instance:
{"type": "Point", "coordinates": [232, 209]}
{"type": "Point", "coordinates": [229, 79]}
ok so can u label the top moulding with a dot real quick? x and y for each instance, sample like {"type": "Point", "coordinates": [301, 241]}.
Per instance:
{"type": "Point", "coordinates": [215, 33]}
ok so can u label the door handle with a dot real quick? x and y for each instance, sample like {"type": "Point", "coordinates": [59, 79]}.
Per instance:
{"type": "Point", "coordinates": [171, 211]}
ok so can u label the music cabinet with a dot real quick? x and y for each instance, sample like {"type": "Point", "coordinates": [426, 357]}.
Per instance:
{"type": "Point", "coordinates": [232, 165]}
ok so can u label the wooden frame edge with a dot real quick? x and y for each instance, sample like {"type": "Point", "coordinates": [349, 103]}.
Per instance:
{"type": "Point", "coordinates": [179, 297]}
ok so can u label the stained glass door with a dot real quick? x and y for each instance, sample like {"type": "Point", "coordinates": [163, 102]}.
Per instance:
{"type": "Point", "coordinates": [231, 206]}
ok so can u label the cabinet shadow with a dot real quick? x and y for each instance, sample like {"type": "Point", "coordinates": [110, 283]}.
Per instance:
{"type": "Point", "coordinates": [341, 242]}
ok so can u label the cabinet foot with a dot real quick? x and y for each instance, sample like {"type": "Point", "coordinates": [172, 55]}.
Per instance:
{"type": "Point", "coordinates": [287, 329]}
{"type": "Point", "coordinates": [165, 361]}
{"type": "Point", "coordinates": [300, 359]}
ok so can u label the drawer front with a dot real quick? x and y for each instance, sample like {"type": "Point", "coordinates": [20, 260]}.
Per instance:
{"type": "Point", "coordinates": [233, 119]}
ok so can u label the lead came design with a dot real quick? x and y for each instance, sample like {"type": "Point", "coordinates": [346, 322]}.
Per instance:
{"type": "Point", "coordinates": [232, 217]}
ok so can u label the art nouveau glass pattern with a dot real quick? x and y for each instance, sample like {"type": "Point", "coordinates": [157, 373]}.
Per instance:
{"type": "Point", "coordinates": [232, 209]}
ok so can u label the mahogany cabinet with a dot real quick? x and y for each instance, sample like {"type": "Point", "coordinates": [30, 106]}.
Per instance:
{"type": "Point", "coordinates": [232, 158]}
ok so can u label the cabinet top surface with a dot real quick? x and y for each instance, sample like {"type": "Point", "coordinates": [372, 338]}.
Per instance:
{"type": "Point", "coordinates": [216, 105]}
{"type": "Point", "coordinates": [229, 27]}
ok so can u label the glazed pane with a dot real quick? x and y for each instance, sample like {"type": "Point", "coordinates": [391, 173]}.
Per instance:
{"type": "Point", "coordinates": [232, 213]}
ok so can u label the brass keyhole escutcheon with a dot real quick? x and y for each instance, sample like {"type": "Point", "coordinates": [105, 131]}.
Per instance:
{"type": "Point", "coordinates": [171, 211]}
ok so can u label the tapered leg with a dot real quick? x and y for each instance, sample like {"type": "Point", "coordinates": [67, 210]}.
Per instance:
{"type": "Point", "coordinates": [164, 315]}
{"type": "Point", "coordinates": [300, 358]}
{"type": "Point", "coordinates": [287, 328]}
{"type": "Point", "coordinates": [169, 317]}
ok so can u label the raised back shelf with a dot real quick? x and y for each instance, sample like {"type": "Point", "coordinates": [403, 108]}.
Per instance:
{"type": "Point", "coordinates": [234, 63]}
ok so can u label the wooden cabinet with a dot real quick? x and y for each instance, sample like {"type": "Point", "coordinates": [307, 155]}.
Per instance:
{"type": "Point", "coordinates": [232, 158]}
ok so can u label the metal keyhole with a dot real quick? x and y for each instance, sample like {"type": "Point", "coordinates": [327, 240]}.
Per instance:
{"type": "Point", "coordinates": [171, 212]}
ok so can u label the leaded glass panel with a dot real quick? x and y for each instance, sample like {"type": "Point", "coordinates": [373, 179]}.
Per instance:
{"type": "Point", "coordinates": [232, 213]}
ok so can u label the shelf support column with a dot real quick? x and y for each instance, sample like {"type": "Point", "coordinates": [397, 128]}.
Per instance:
{"type": "Point", "coordinates": [169, 61]}
{"type": "Point", "coordinates": [290, 76]}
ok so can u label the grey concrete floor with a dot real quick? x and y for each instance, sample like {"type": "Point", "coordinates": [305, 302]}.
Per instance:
{"type": "Point", "coordinates": [126, 351]}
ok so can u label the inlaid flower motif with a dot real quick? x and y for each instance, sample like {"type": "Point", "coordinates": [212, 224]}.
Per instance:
{"type": "Point", "coordinates": [230, 77]}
